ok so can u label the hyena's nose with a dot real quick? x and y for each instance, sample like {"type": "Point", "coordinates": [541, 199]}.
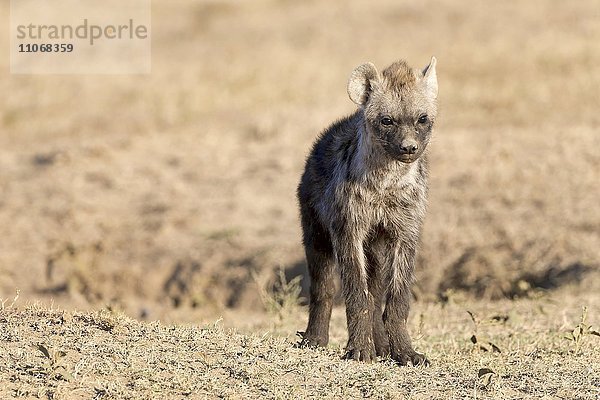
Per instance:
{"type": "Point", "coordinates": [409, 147]}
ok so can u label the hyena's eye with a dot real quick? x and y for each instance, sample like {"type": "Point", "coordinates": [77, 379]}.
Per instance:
{"type": "Point", "coordinates": [387, 121]}
{"type": "Point", "coordinates": [423, 119]}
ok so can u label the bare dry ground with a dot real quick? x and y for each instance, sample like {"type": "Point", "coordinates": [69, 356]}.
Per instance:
{"type": "Point", "coordinates": [519, 351]}
{"type": "Point", "coordinates": [171, 196]}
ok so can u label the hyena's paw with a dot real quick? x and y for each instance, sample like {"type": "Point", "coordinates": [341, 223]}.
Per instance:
{"type": "Point", "coordinates": [382, 349]}
{"type": "Point", "coordinates": [311, 341]}
{"type": "Point", "coordinates": [412, 358]}
{"type": "Point", "coordinates": [382, 344]}
{"type": "Point", "coordinates": [363, 350]}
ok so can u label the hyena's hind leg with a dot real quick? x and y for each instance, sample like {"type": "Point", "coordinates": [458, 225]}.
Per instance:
{"type": "Point", "coordinates": [378, 278]}
{"type": "Point", "coordinates": [321, 268]}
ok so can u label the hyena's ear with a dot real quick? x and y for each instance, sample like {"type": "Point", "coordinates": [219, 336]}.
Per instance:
{"type": "Point", "coordinates": [360, 83]}
{"type": "Point", "coordinates": [430, 79]}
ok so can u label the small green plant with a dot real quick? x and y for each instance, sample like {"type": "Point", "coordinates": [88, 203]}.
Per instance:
{"type": "Point", "coordinates": [56, 367]}
{"type": "Point", "coordinates": [421, 328]}
{"type": "Point", "coordinates": [485, 375]}
{"type": "Point", "coordinates": [582, 330]}
{"type": "Point", "coordinates": [479, 341]}
{"type": "Point", "coordinates": [281, 297]}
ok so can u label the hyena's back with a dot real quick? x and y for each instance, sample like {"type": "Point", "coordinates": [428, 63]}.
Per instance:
{"type": "Point", "coordinates": [330, 155]}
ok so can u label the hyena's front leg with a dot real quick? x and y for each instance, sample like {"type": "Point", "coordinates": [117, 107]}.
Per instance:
{"type": "Point", "coordinates": [398, 305]}
{"type": "Point", "coordinates": [359, 302]}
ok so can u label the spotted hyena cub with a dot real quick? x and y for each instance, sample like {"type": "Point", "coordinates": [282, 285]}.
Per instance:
{"type": "Point", "coordinates": [362, 201]}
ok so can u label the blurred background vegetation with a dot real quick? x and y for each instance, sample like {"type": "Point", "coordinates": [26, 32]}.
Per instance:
{"type": "Point", "coordinates": [172, 195]}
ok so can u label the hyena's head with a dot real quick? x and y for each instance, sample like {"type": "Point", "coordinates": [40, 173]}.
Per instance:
{"type": "Point", "coordinates": [399, 106]}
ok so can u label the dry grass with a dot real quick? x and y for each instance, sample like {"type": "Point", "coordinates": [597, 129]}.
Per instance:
{"type": "Point", "coordinates": [130, 190]}
{"type": "Point", "coordinates": [57, 354]}
{"type": "Point", "coordinates": [172, 196]}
